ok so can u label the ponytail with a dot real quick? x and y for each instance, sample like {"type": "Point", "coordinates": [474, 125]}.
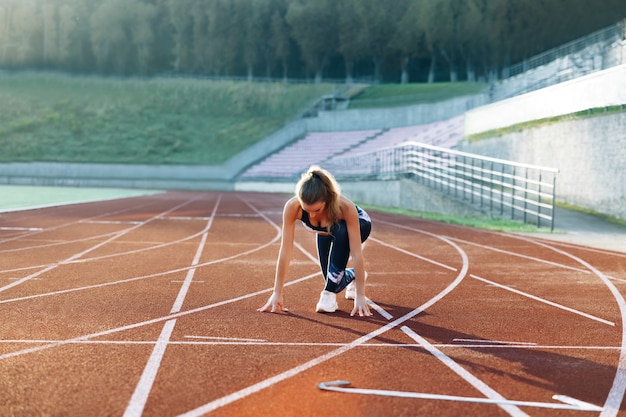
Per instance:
{"type": "Point", "coordinates": [317, 184]}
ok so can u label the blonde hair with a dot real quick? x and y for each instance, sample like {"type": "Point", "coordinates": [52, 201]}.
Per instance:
{"type": "Point", "coordinates": [317, 184]}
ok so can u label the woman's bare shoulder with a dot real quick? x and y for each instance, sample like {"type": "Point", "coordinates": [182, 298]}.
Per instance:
{"type": "Point", "coordinates": [347, 206]}
{"type": "Point", "coordinates": [292, 208]}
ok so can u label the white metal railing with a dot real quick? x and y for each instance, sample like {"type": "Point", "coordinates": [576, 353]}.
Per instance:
{"type": "Point", "coordinates": [525, 192]}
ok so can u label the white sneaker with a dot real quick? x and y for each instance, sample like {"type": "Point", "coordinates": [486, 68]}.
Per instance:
{"type": "Point", "coordinates": [327, 302]}
{"type": "Point", "coordinates": [351, 289]}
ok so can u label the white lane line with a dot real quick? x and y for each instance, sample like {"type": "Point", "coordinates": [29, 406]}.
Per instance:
{"type": "Point", "coordinates": [616, 394]}
{"type": "Point", "coordinates": [51, 244]}
{"type": "Point", "coordinates": [573, 401]}
{"type": "Point", "coordinates": [543, 300]}
{"type": "Point", "coordinates": [570, 403]}
{"type": "Point", "coordinates": [22, 229]}
{"type": "Point", "coordinates": [259, 342]}
{"type": "Point", "coordinates": [157, 274]}
{"type": "Point", "coordinates": [78, 255]}
{"type": "Point", "coordinates": [495, 342]}
{"type": "Point", "coordinates": [87, 337]}
{"type": "Point", "coordinates": [185, 218]}
{"type": "Point", "coordinates": [259, 386]}
{"type": "Point", "coordinates": [490, 393]}
{"type": "Point", "coordinates": [228, 339]}
{"type": "Point", "coordinates": [519, 255]}
{"type": "Point", "coordinates": [142, 390]}
{"type": "Point", "coordinates": [155, 320]}
{"type": "Point", "coordinates": [110, 222]}
{"type": "Point", "coordinates": [406, 252]}
{"type": "Point", "coordinates": [60, 226]}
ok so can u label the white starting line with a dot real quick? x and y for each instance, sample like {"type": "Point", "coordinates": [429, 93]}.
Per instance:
{"type": "Point", "coordinates": [567, 403]}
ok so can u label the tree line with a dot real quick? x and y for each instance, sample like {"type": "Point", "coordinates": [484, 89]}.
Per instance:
{"type": "Point", "coordinates": [380, 40]}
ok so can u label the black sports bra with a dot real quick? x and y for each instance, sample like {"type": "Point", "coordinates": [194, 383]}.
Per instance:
{"type": "Point", "coordinates": [308, 225]}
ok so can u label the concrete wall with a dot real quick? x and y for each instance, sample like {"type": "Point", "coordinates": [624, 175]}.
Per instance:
{"type": "Point", "coordinates": [590, 154]}
{"type": "Point", "coordinates": [116, 175]}
{"type": "Point", "coordinates": [600, 89]}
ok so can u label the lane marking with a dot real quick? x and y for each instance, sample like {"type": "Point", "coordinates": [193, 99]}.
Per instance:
{"type": "Point", "coordinates": [519, 255]}
{"type": "Point", "coordinates": [51, 244]}
{"type": "Point", "coordinates": [229, 339]}
{"type": "Point", "coordinates": [379, 309]}
{"type": "Point", "coordinates": [144, 386]}
{"type": "Point", "coordinates": [569, 403]}
{"type": "Point", "coordinates": [78, 255]}
{"type": "Point", "coordinates": [149, 322]}
{"type": "Point", "coordinates": [406, 252]}
{"type": "Point", "coordinates": [616, 394]}
{"type": "Point", "coordinates": [157, 274]}
{"type": "Point", "coordinates": [499, 342]}
{"type": "Point", "coordinates": [110, 222]}
{"type": "Point", "coordinates": [543, 300]}
{"type": "Point", "coordinates": [259, 386]}
{"type": "Point", "coordinates": [486, 390]}
{"type": "Point", "coordinates": [142, 391]}
{"type": "Point", "coordinates": [307, 344]}
{"type": "Point", "coordinates": [22, 229]}
{"type": "Point", "coordinates": [60, 226]}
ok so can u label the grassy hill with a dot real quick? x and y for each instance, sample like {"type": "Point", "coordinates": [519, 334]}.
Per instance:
{"type": "Point", "coordinates": [157, 121]}
{"type": "Point", "coordinates": [61, 118]}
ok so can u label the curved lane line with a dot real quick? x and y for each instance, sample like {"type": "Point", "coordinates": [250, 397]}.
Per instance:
{"type": "Point", "coordinates": [142, 391]}
{"type": "Point", "coordinates": [92, 248]}
{"type": "Point", "coordinates": [543, 300]}
{"type": "Point", "coordinates": [235, 396]}
{"type": "Point", "coordinates": [616, 394]}
{"type": "Point", "coordinates": [171, 315]}
{"type": "Point", "coordinates": [570, 404]}
{"type": "Point", "coordinates": [156, 320]}
{"type": "Point", "coordinates": [50, 229]}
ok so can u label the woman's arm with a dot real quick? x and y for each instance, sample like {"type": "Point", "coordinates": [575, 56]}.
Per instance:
{"type": "Point", "coordinates": [354, 237]}
{"type": "Point", "coordinates": [290, 215]}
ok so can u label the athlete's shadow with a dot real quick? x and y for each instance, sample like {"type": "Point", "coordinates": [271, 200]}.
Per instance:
{"type": "Point", "coordinates": [563, 374]}
{"type": "Point", "coordinates": [572, 375]}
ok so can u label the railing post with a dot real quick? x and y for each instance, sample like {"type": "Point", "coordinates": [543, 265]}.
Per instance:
{"type": "Point", "coordinates": [525, 194]}
{"type": "Point", "coordinates": [553, 202]}
{"type": "Point", "coordinates": [502, 191]}
{"type": "Point", "coordinates": [482, 168]}
{"type": "Point", "coordinates": [491, 187]}
{"type": "Point", "coordinates": [539, 202]}
{"type": "Point", "coordinates": [513, 194]}
{"type": "Point", "coordinates": [472, 181]}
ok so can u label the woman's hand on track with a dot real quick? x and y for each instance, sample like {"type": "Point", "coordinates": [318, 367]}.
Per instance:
{"type": "Point", "coordinates": [361, 306]}
{"type": "Point", "coordinates": [275, 303]}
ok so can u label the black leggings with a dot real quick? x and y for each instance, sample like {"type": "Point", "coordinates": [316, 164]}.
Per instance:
{"type": "Point", "coordinates": [334, 251]}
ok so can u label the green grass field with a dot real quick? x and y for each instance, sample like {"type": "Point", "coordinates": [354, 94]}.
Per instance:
{"type": "Point", "coordinates": [394, 95]}
{"type": "Point", "coordinates": [58, 118]}
{"type": "Point", "coordinates": [21, 197]}
{"type": "Point", "coordinates": [61, 118]}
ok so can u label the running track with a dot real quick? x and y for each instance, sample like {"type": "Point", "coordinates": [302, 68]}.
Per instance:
{"type": "Point", "coordinates": [147, 306]}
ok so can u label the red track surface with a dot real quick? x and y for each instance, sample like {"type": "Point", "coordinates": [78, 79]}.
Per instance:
{"type": "Point", "coordinates": [147, 306]}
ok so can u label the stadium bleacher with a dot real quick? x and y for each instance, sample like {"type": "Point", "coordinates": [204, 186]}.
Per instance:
{"type": "Point", "coordinates": [445, 133]}
{"type": "Point", "coordinates": [313, 148]}
{"type": "Point", "coordinates": [316, 147]}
